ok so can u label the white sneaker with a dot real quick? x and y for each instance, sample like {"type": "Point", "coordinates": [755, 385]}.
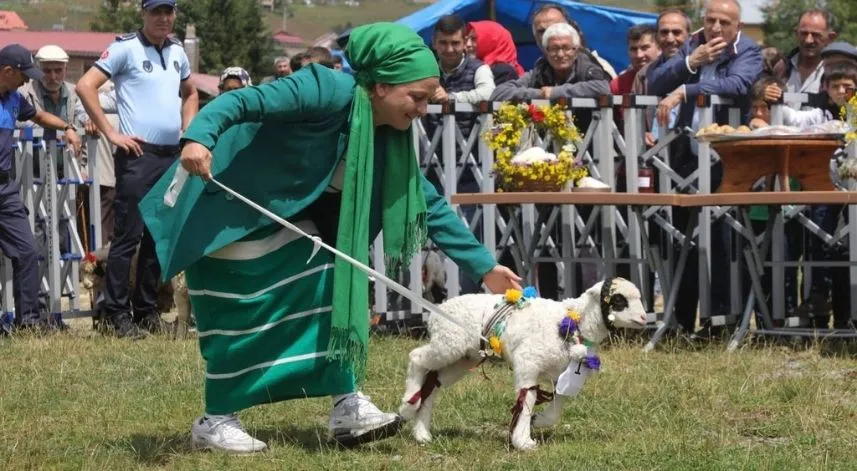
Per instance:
{"type": "Point", "coordinates": [355, 420]}
{"type": "Point", "coordinates": [224, 432]}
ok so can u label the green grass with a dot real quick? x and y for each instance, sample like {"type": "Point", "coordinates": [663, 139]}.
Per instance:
{"type": "Point", "coordinates": [80, 401]}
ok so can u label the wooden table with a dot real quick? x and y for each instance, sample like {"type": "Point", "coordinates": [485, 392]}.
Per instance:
{"type": "Point", "coordinates": [746, 161]}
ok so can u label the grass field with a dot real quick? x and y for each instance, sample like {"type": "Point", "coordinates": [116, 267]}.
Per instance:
{"type": "Point", "coordinates": [80, 401]}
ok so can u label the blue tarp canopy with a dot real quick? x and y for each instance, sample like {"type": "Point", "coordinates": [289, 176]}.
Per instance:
{"type": "Point", "coordinates": [603, 27]}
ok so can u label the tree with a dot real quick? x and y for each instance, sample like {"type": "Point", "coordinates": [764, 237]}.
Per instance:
{"type": "Point", "coordinates": [116, 16]}
{"type": "Point", "coordinates": [230, 32]}
{"type": "Point", "coordinates": [781, 18]}
{"type": "Point", "coordinates": [689, 7]}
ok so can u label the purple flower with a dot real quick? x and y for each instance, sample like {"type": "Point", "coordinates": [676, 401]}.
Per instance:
{"type": "Point", "coordinates": [567, 327]}
{"type": "Point", "coordinates": [593, 362]}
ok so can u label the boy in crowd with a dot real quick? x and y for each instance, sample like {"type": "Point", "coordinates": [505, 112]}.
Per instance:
{"type": "Point", "coordinates": [838, 84]}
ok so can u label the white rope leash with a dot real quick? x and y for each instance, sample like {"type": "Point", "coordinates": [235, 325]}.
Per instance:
{"type": "Point", "coordinates": [180, 178]}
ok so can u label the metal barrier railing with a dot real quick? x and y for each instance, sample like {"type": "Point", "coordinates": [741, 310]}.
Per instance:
{"type": "Point", "coordinates": [51, 201]}
{"type": "Point", "coordinates": [602, 139]}
{"type": "Point", "coordinates": [532, 235]}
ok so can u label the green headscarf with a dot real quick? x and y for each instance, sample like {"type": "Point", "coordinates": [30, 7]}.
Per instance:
{"type": "Point", "coordinates": [391, 54]}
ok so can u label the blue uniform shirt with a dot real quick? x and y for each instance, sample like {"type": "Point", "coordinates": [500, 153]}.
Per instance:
{"type": "Point", "coordinates": [14, 108]}
{"type": "Point", "coordinates": [147, 80]}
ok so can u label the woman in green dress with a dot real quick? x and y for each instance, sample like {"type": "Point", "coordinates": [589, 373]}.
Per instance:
{"type": "Point", "coordinates": [333, 154]}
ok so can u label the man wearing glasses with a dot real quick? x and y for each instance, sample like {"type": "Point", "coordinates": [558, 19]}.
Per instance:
{"type": "Point", "coordinates": [562, 72]}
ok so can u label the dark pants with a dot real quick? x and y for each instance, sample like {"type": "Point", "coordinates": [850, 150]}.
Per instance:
{"type": "Point", "coordinates": [108, 194]}
{"type": "Point", "coordinates": [793, 250]}
{"type": "Point", "coordinates": [827, 218]}
{"type": "Point", "coordinates": [685, 162]}
{"type": "Point", "coordinates": [18, 243]}
{"type": "Point", "coordinates": [687, 298]}
{"type": "Point", "coordinates": [135, 176]}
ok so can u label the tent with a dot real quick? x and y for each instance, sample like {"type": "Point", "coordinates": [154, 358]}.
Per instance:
{"type": "Point", "coordinates": [603, 27]}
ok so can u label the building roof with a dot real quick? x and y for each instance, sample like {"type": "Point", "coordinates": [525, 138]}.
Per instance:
{"type": "Point", "coordinates": [327, 40]}
{"type": "Point", "coordinates": [9, 20]}
{"type": "Point", "coordinates": [205, 83]}
{"type": "Point", "coordinates": [75, 43]}
{"type": "Point", "coordinates": [284, 37]}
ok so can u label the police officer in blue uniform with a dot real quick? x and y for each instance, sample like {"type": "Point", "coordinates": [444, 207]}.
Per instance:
{"type": "Point", "coordinates": [16, 236]}
{"type": "Point", "coordinates": [156, 102]}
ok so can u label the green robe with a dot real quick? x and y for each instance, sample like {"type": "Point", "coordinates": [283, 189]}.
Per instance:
{"type": "Point", "coordinates": [278, 144]}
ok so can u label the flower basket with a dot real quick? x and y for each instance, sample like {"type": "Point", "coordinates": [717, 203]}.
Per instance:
{"type": "Point", "coordinates": [519, 163]}
{"type": "Point", "coordinates": [518, 180]}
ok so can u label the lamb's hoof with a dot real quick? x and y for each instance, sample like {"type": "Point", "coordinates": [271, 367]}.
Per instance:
{"type": "Point", "coordinates": [409, 411]}
{"type": "Point", "coordinates": [525, 445]}
{"type": "Point", "coordinates": [541, 420]}
{"type": "Point", "coordinates": [421, 435]}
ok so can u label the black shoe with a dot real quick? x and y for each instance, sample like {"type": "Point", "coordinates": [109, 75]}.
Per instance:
{"type": "Point", "coordinates": [124, 328]}
{"type": "Point", "coordinates": [817, 309]}
{"type": "Point", "coordinates": [708, 332]}
{"type": "Point", "coordinates": [151, 323]}
{"type": "Point", "coordinates": [35, 327]}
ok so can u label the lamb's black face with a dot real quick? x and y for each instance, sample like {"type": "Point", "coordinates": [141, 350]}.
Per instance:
{"type": "Point", "coordinates": [624, 304]}
{"type": "Point", "coordinates": [618, 303]}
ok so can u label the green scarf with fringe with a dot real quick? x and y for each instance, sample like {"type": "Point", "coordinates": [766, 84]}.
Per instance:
{"type": "Point", "coordinates": [379, 53]}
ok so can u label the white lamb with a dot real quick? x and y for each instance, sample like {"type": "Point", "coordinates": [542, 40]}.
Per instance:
{"type": "Point", "coordinates": [531, 342]}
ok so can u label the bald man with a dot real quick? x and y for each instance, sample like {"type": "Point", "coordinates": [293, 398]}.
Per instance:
{"type": "Point", "coordinates": [718, 60]}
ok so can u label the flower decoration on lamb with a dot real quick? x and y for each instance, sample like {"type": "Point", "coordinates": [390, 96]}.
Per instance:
{"type": "Point", "coordinates": [520, 162]}
{"type": "Point", "coordinates": [513, 298]}
{"type": "Point", "coordinates": [580, 347]}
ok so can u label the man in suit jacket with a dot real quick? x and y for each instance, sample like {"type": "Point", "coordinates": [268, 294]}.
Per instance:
{"type": "Point", "coordinates": [718, 60]}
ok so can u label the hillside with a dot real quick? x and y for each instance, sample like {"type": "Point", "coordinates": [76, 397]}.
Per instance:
{"type": "Point", "coordinates": [309, 22]}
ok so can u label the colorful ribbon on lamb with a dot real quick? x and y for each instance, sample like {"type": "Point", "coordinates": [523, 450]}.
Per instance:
{"type": "Point", "coordinates": [513, 298]}
{"type": "Point", "coordinates": [569, 330]}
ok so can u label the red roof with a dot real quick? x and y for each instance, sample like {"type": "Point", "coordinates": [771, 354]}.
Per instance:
{"type": "Point", "coordinates": [75, 43]}
{"type": "Point", "coordinates": [283, 37]}
{"type": "Point", "coordinates": [9, 20]}
{"type": "Point", "coordinates": [206, 83]}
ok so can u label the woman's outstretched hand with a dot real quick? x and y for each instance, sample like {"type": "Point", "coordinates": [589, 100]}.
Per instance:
{"type": "Point", "coordinates": [500, 278]}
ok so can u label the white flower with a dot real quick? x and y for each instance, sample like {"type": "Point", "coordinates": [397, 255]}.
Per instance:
{"type": "Point", "coordinates": [570, 148]}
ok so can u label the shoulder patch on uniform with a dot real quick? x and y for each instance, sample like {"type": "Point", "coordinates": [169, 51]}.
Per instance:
{"type": "Point", "coordinates": [126, 36]}
{"type": "Point", "coordinates": [175, 40]}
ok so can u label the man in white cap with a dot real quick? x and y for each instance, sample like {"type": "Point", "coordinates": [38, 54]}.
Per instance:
{"type": "Point", "coordinates": [52, 93]}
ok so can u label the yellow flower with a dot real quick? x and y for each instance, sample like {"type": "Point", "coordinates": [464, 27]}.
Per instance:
{"type": "Point", "coordinates": [496, 345]}
{"type": "Point", "coordinates": [513, 295]}
{"type": "Point", "coordinates": [574, 315]}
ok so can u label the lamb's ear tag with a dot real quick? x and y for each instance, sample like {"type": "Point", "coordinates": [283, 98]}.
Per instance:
{"type": "Point", "coordinates": [611, 317]}
{"type": "Point", "coordinates": [316, 245]}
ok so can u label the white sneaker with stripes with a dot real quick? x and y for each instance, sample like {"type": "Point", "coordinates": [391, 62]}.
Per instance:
{"type": "Point", "coordinates": [224, 432]}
